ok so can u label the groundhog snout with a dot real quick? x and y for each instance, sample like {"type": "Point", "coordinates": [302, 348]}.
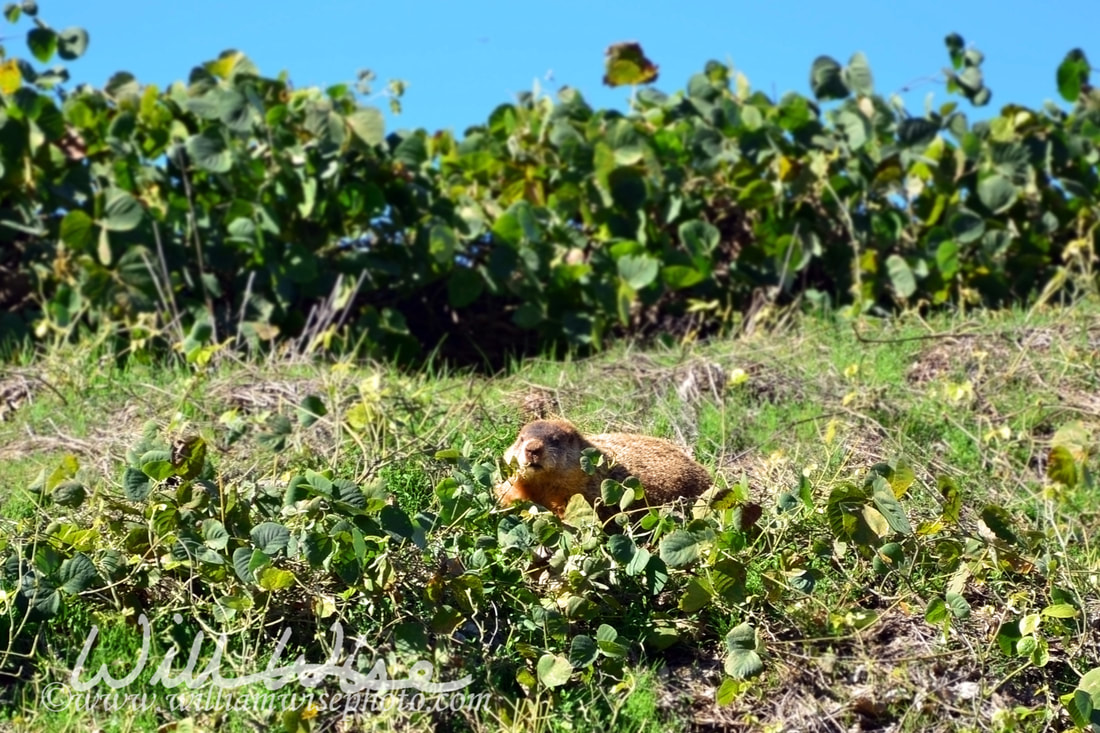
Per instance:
{"type": "Point", "coordinates": [529, 453]}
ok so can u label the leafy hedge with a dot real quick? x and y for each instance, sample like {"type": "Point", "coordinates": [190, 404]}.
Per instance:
{"type": "Point", "coordinates": [234, 204]}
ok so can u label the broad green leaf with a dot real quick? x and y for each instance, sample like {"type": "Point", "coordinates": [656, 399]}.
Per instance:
{"type": "Point", "coordinates": [890, 556]}
{"type": "Point", "coordinates": [394, 520]}
{"type": "Point", "coordinates": [947, 258]}
{"type": "Point", "coordinates": [464, 286]}
{"type": "Point", "coordinates": [39, 596]}
{"type": "Point", "coordinates": [209, 151]}
{"type": "Point", "coordinates": [442, 244]}
{"type": "Point", "coordinates": [826, 80]}
{"type": "Point", "coordinates": [890, 508]}
{"type": "Point", "coordinates": [638, 270]}
{"type": "Point", "coordinates": [157, 464]}
{"type": "Point", "coordinates": [121, 212]}
{"type": "Point", "coordinates": [901, 276]}
{"type": "Point", "coordinates": [680, 549]}
{"type": "Point", "coordinates": [554, 670]}
{"type": "Point", "coordinates": [72, 43]}
{"type": "Point", "coordinates": [1073, 74]}
{"type": "Point", "coordinates": [999, 523]}
{"type": "Point", "coordinates": [135, 484]}
{"type": "Point", "coordinates": [967, 226]}
{"type": "Point", "coordinates": [77, 574]}
{"type": "Point", "coordinates": [697, 595]}
{"type": "Point", "coordinates": [76, 230]}
{"type": "Point", "coordinates": [214, 534]}
{"type": "Point", "coordinates": [936, 613]}
{"type": "Point", "coordinates": [678, 277]}
{"type": "Point", "coordinates": [858, 75]}
{"type": "Point", "coordinates": [367, 124]}
{"type": "Point", "coordinates": [917, 132]}
{"type": "Point", "coordinates": [958, 605]}
{"type": "Point", "coordinates": [242, 558]}
{"type": "Point", "coordinates": [582, 652]}
{"type": "Point", "coordinates": [42, 43]}
{"type": "Point", "coordinates": [1060, 610]}
{"type": "Point", "coordinates": [310, 410]}
{"type": "Point", "coordinates": [626, 63]}
{"type": "Point", "coordinates": [700, 238]}
{"type": "Point", "coordinates": [996, 193]}
{"type": "Point", "coordinates": [742, 661]}
{"type": "Point", "coordinates": [1061, 466]}
{"type": "Point", "coordinates": [270, 538]}
{"type": "Point", "coordinates": [69, 494]}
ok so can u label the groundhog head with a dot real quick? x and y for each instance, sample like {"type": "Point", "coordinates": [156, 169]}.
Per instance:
{"type": "Point", "coordinates": [546, 445]}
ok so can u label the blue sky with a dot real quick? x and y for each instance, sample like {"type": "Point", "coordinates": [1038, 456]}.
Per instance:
{"type": "Point", "coordinates": [460, 60]}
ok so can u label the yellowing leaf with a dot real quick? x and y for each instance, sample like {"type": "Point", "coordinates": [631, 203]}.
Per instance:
{"type": "Point", "coordinates": [627, 64]}
{"type": "Point", "coordinates": [10, 78]}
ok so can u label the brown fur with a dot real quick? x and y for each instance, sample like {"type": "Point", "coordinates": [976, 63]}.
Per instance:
{"type": "Point", "coordinates": [549, 451]}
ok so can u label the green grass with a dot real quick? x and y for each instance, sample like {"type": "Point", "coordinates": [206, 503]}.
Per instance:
{"type": "Point", "coordinates": [809, 408]}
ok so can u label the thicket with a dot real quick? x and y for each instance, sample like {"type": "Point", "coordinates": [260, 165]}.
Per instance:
{"type": "Point", "coordinates": [234, 205]}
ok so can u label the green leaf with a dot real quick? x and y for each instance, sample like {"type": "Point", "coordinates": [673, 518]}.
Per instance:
{"type": "Point", "coordinates": [157, 464]}
{"type": "Point", "coordinates": [72, 43]}
{"type": "Point", "coordinates": [638, 270]}
{"type": "Point", "coordinates": [947, 258]}
{"type": "Point", "coordinates": [1073, 74]}
{"type": "Point", "coordinates": [901, 276]}
{"type": "Point", "coordinates": [967, 226]}
{"type": "Point", "coordinates": [394, 520]}
{"type": "Point", "coordinates": [958, 605]}
{"type": "Point", "coordinates": [677, 277]}
{"type": "Point", "coordinates": [76, 230]}
{"type": "Point", "coordinates": [700, 238]}
{"type": "Point", "coordinates": [890, 556]}
{"type": "Point", "coordinates": [582, 652]}
{"type": "Point", "coordinates": [697, 595]}
{"type": "Point", "coordinates": [274, 579]}
{"type": "Point", "coordinates": [996, 193]}
{"type": "Point", "coordinates": [826, 80]}
{"type": "Point", "coordinates": [1060, 610]}
{"type": "Point", "coordinates": [554, 670]}
{"type": "Point", "coordinates": [442, 244]}
{"type": "Point", "coordinates": [40, 596]}
{"type": "Point", "coordinates": [209, 151]}
{"type": "Point", "coordinates": [1062, 467]}
{"type": "Point", "coordinates": [742, 661]}
{"type": "Point", "coordinates": [999, 523]}
{"type": "Point", "coordinates": [42, 43]}
{"type": "Point", "coordinates": [214, 534]}
{"type": "Point", "coordinates": [464, 286]}
{"type": "Point", "coordinates": [955, 46]}
{"type": "Point", "coordinates": [858, 75]}
{"type": "Point", "coordinates": [952, 498]}
{"type": "Point", "coordinates": [890, 508]}
{"type": "Point", "coordinates": [310, 410]}
{"type": "Point", "coordinates": [270, 538]}
{"type": "Point", "coordinates": [367, 124]}
{"type": "Point", "coordinates": [917, 132]}
{"type": "Point", "coordinates": [77, 574]}
{"type": "Point", "coordinates": [242, 559]}
{"type": "Point", "coordinates": [680, 549]}
{"type": "Point", "coordinates": [936, 613]}
{"type": "Point", "coordinates": [69, 494]}
{"type": "Point", "coordinates": [626, 63]}
{"type": "Point", "coordinates": [135, 485]}
{"type": "Point", "coordinates": [122, 212]}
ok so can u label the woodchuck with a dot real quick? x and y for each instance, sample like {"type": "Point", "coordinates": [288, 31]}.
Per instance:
{"type": "Point", "coordinates": [548, 453]}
